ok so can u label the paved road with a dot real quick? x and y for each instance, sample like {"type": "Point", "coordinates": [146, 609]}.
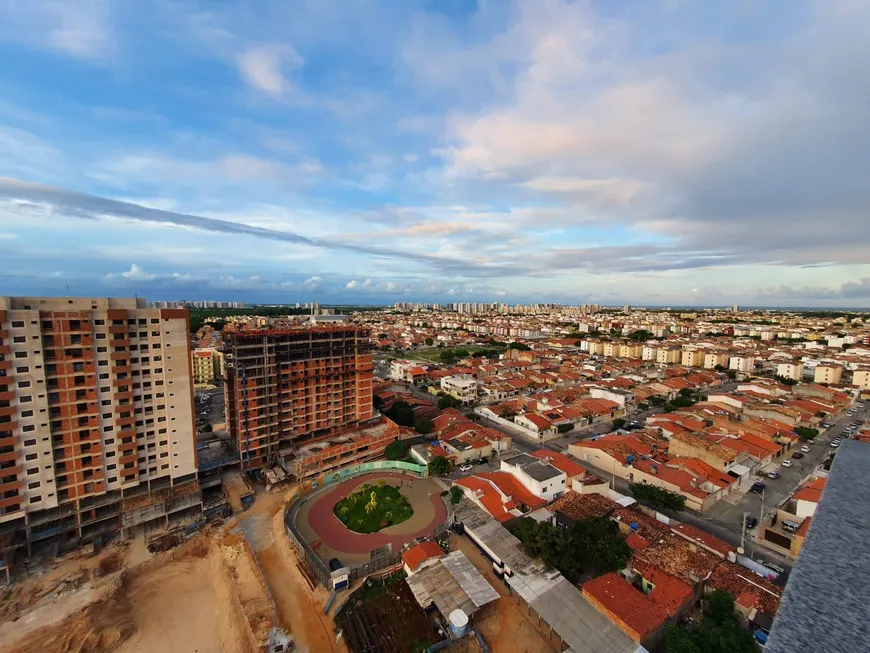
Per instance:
{"type": "Point", "coordinates": [777, 491]}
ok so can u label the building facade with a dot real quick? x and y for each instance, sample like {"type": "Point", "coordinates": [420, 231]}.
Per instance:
{"type": "Point", "coordinates": [290, 387]}
{"type": "Point", "coordinates": [96, 416]}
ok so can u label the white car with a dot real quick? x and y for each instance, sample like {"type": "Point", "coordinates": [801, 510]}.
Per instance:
{"type": "Point", "coordinates": [805, 449]}
{"type": "Point", "coordinates": [834, 445]}
{"type": "Point", "coordinates": [787, 463]}
{"type": "Point", "coordinates": [465, 468]}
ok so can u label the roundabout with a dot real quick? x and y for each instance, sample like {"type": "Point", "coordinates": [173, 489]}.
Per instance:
{"type": "Point", "coordinates": [319, 520]}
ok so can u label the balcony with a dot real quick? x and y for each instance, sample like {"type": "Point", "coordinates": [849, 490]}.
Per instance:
{"type": "Point", "coordinates": [4, 349]}
{"type": "Point", "coordinates": [119, 355]}
{"type": "Point", "coordinates": [5, 365]}
{"type": "Point", "coordinates": [4, 334]}
{"type": "Point", "coordinates": [8, 441]}
{"type": "Point", "coordinates": [8, 411]}
{"type": "Point", "coordinates": [11, 501]}
{"type": "Point", "coordinates": [7, 427]}
{"type": "Point", "coordinates": [118, 328]}
{"type": "Point", "coordinates": [122, 369]}
{"type": "Point", "coordinates": [15, 485]}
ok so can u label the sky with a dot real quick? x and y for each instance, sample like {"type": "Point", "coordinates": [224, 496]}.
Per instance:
{"type": "Point", "coordinates": [651, 152]}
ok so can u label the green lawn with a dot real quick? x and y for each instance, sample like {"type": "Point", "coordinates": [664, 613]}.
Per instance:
{"type": "Point", "coordinates": [361, 514]}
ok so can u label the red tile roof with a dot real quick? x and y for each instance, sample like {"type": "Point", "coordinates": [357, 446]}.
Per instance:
{"type": "Point", "coordinates": [702, 537]}
{"type": "Point", "coordinates": [578, 507]}
{"type": "Point", "coordinates": [420, 553]}
{"type": "Point", "coordinates": [737, 580]}
{"type": "Point", "coordinates": [635, 613]}
{"type": "Point", "coordinates": [511, 486]}
{"type": "Point", "coordinates": [561, 462]}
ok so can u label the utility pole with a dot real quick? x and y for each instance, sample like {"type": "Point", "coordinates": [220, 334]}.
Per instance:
{"type": "Point", "coordinates": [743, 531]}
{"type": "Point", "coordinates": [761, 510]}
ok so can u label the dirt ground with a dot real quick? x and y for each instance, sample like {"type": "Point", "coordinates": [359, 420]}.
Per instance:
{"type": "Point", "coordinates": [509, 629]}
{"type": "Point", "coordinates": [300, 609]}
{"type": "Point", "coordinates": [203, 596]}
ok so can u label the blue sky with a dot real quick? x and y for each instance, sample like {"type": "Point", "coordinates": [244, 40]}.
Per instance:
{"type": "Point", "coordinates": [371, 151]}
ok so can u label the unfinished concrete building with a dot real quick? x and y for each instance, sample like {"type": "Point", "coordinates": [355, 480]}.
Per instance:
{"type": "Point", "coordinates": [287, 388]}
{"type": "Point", "coordinates": [97, 430]}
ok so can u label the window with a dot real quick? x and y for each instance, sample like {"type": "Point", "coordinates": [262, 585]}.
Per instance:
{"type": "Point", "coordinates": [106, 402]}
{"type": "Point", "coordinates": [26, 413]}
{"type": "Point", "coordinates": [107, 429]}
{"type": "Point", "coordinates": [100, 336]}
{"type": "Point", "coordinates": [25, 399]}
{"type": "Point", "coordinates": [112, 479]}
{"type": "Point", "coordinates": [33, 486]}
{"type": "Point", "coordinates": [19, 339]}
{"type": "Point", "coordinates": [102, 363]}
{"type": "Point", "coordinates": [24, 384]}
{"type": "Point", "coordinates": [154, 320]}
{"type": "Point", "coordinates": [27, 428]}
{"type": "Point", "coordinates": [22, 370]}
{"type": "Point", "coordinates": [99, 323]}
{"type": "Point", "coordinates": [32, 470]}
{"type": "Point", "coordinates": [102, 350]}
{"type": "Point", "coordinates": [29, 443]}
{"type": "Point", "coordinates": [36, 499]}
{"type": "Point", "coordinates": [104, 375]}
{"type": "Point", "coordinates": [18, 324]}
{"type": "Point", "coordinates": [107, 415]}
{"type": "Point", "coordinates": [31, 456]}
{"type": "Point", "coordinates": [20, 354]}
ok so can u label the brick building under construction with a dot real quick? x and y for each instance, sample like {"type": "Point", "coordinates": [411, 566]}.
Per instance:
{"type": "Point", "coordinates": [303, 397]}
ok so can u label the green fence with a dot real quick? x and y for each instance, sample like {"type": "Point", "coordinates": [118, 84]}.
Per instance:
{"type": "Point", "coordinates": [375, 466]}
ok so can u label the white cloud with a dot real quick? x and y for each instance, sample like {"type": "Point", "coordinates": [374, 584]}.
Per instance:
{"type": "Point", "coordinates": [81, 29]}
{"type": "Point", "coordinates": [135, 273]}
{"type": "Point", "coordinates": [264, 67]}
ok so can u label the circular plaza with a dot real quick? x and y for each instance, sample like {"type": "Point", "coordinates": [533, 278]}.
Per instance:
{"type": "Point", "coordinates": [322, 522]}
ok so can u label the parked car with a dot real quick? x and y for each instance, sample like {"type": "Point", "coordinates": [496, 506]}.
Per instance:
{"type": "Point", "coordinates": [787, 463]}
{"type": "Point", "coordinates": [465, 467]}
{"type": "Point", "coordinates": [773, 475]}
{"type": "Point", "coordinates": [797, 455]}
{"type": "Point", "coordinates": [757, 487]}
{"type": "Point", "coordinates": [751, 522]}
{"type": "Point", "coordinates": [483, 461]}
{"type": "Point", "coordinates": [835, 444]}
{"type": "Point", "coordinates": [826, 425]}
{"type": "Point", "coordinates": [805, 449]}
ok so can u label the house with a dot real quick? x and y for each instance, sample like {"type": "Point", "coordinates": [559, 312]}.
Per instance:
{"type": "Point", "coordinates": [537, 475]}
{"type": "Point", "coordinates": [637, 615]}
{"type": "Point", "coordinates": [573, 507]}
{"type": "Point", "coordinates": [714, 454]}
{"type": "Point", "coordinates": [715, 359]}
{"type": "Point", "coordinates": [539, 425]}
{"type": "Point", "coordinates": [420, 556]}
{"type": "Point", "coordinates": [561, 462]}
{"type": "Point", "coordinates": [745, 364]}
{"type": "Point", "coordinates": [461, 387]}
{"type": "Point", "coordinates": [500, 494]}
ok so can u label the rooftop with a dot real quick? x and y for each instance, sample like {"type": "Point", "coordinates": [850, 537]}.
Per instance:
{"type": "Point", "coordinates": [538, 469]}
{"type": "Point", "coordinates": [619, 598]}
{"type": "Point", "coordinates": [824, 605]}
{"type": "Point", "coordinates": [578, 507]}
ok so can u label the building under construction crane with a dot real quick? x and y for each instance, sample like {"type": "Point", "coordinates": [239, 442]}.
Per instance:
{"type": "Point", "coordinates": [286, 388]}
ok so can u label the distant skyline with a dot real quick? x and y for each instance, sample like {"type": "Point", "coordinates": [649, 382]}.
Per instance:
{"type": "Point", "coordinates": [645, 152]}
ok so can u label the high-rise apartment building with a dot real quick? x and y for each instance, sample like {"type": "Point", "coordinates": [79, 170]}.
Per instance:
{"type": "Point", "coordinates": [96, 416]}
{"type": "Point", "coordinates": [288, 387]}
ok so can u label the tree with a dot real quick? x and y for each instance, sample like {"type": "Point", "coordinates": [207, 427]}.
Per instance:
{"type": "Point", "coordinates": [686, 392]}
{"type": "Point", "coordinates": [656, 497]}
{"type": "Point", "coordinates": [429, 342]}
{"type": "Point", "coordinates": [591, 544]}
{"type": "Point", "coordinates": [439, 465]}
{"type": "Point", "coordinates": [657, 400]}
{"type": "Point", "coordinates": [455, 494]}
{"type": "Point", "coordinates": [785, 380]}
{"type": "Point", "coordinates": [618, 423]}
{"type": "Point", "coordinates": [396, 450]}
{"type": "Point", "coordinates": [806, 433]}
{"type": "Point", "coordinates": [448, 401]}
{"type": "Point", "coordinates": [423, 426]}
{"type": "Point", "coordinates": [732, 374]}
{"type": "Point", "coordinates": [718, 632]}
{"type": "Point", "coordinates": [207, 428]}
{"type": "Point", "coordinates": [401, 413]}
{"type": "Point", "coordinates": [720, 368]}
{"type": "Point", "coordinates": [519, 346]}
{"type": "Point", "coordinates": [643, 406]}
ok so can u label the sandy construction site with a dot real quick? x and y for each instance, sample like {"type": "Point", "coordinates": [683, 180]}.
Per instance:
{"type": "Point", "coordinates": [205, 595]}
{"type": "Point", "coordinates": [208, 595]}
